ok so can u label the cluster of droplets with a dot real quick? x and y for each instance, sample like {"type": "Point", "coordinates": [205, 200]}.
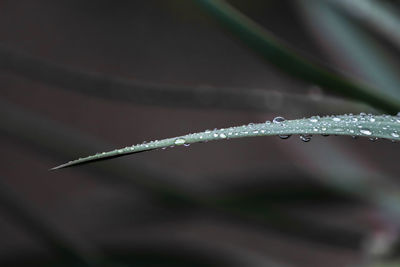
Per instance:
{"type": "Point", "coordinates": [330, 124]}
{"type": "Point", "coordinates": [344, 125]}
{"type": "Point", "coordinates": [303, 137]}
{"type": "Point", "coordinates": [251, 129]}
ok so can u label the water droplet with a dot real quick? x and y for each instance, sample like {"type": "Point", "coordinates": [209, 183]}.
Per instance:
{"type": "Point", "coordinates": [215, 135]}
{"type": "Point", "coordinates": [372, 119]}
{"type": "Point", "coordinates": [278, 119]}
{"type": "Point", "coordinates": [223, 136]}
{"type": "Point", "coordinates": [314, 119]}
{"type": "Point", "coordinates": [373, 139]}
{"type": "Point", "coordinates": [336, 119]}
{"type": "Point", "coordinates": [305, 137]}
{"type": "Point", "coordinates": [395, 135]}
{"type": "Point", "coordinates": [186, 144]}
{"type": "Point", "coordinates": [365, 131]}
{"type": "Point", "coordinates": [180, 141]}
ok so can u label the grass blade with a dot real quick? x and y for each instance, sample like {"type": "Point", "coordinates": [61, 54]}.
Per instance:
{"type": "Point", "coordinates": [352, 46]}
{"type": "Point", "coordinates": [166, 188]}
{"type": "Point", "coordinates": [379, 15]}
{"type": "Point", "coordinates": [384, 126]}
{"type": "Point", "coordinates": [278, 53]}
{"type": "Point", "coordinates": [129, 91]}
{"type": "Point", "coordinates": [34, 130]}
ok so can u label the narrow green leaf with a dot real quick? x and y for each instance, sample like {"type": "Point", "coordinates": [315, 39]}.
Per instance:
{"type": "Point", "coordinates": [113, 88]}
{"type": "Point", "coordinates": [353, 45]}
{"type": "Point", "coordinates": [380, 15]}
{"type": "Point", "coordinates": [383, 126]}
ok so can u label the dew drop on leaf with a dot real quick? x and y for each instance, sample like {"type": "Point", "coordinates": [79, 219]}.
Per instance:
{"type": "Point", "coordinates": [305, 137]}
{"type": "Point", "coordinates": [365, 131]}
{"type": "Point", "coordinates": [180, 141]}
{"type": "Point", "coordinates": [280, 120]}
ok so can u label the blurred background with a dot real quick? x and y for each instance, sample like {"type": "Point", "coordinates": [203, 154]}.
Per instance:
{"type": "Point", "coordinates": [80, 77]}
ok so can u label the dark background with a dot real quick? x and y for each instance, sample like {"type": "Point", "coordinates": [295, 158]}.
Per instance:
{"type": "Point", "coordinates": [267, 199]}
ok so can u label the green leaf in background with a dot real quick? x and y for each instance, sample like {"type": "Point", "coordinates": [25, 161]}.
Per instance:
{"type": "Point", "coordinates": [382, 16]}
{"type": "Point", "coordinates": [351, 46]}
{"type": "Point", "coordinates": [371, 126]}
{"type": "Point", "coordinates": [122, 90]}
{"type": "Point", "coordinates": [288, 60]}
